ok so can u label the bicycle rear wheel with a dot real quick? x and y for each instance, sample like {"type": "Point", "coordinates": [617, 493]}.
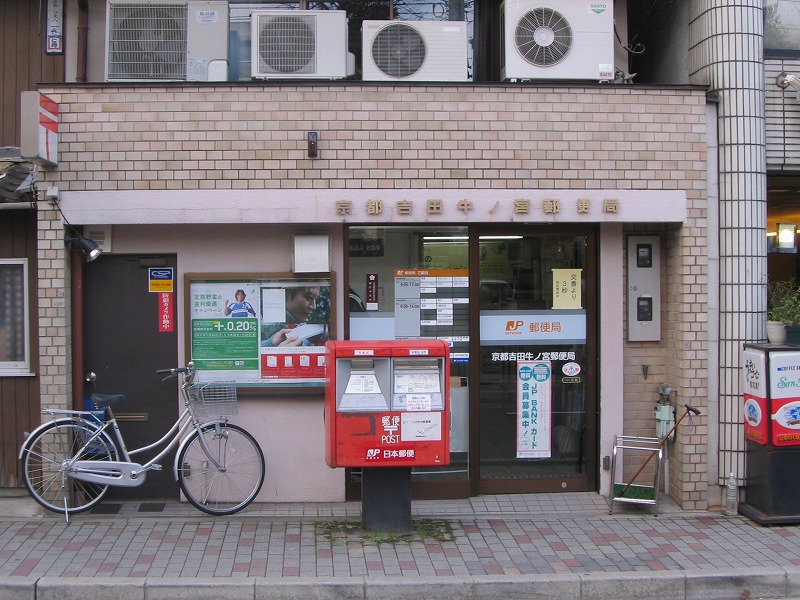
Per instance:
{"type": "Point", "coordinates": [44, 472]}
{"type": "Point", "coordinates": [229, 489]}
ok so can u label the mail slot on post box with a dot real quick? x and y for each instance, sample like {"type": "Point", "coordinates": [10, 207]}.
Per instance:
{"type": "Point", "coordinates": [387, 403]}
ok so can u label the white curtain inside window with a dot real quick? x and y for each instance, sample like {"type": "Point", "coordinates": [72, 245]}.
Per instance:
{"type": "Point", "coordinates": [12, 313]}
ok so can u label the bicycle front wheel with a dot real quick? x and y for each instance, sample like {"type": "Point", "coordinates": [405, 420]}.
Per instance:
{"type": "Point", "coordinates": [46, 473]}
{"type": "Point", "coordinates": [228, 489]}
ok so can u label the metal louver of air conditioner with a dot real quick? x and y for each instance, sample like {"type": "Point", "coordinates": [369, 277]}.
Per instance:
{"type": "Point", "coordinates": [570, 40]}
{"type": "Point", "coordinates": [414, 50]}
{"type": "Point", "coordinates": [299, 44]}
{"type": "Point", "coordinates": [287, 44]}
{"type": "Point", "coordinates": [399, 50]}
{"type": "Point", "coordinates": [543, 37]}
{"type": "Point", "coordinates": [147, 41]}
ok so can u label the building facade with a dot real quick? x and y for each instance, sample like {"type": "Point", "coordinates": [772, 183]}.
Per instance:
{"type": "Point", "coordinates": [594, 229]}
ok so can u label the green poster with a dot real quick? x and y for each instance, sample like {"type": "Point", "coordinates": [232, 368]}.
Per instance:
{"type": "Point", "coordinates": [234, 341]}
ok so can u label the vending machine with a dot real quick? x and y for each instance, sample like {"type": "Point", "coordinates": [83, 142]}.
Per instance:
{"type": "Point", "coordinates": [387, 403]}
{"type": "Point", "coordinates": [771, 384]}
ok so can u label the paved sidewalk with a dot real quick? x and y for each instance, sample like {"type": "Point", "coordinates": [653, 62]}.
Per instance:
{"type": "Point", "coordinates": [508, 546]}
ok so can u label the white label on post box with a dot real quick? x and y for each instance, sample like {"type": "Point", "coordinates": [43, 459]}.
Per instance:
{"type": "Point", "coordinates": [418, 402]}
{"type": "Point", "coordinates": [362, 402]}
{"type": "Point", "coordinates": [363, 352]}
{"type": "Point", "coordinates": [416, 381]}
{"type": "Point", "coordinates": [362, 383]}
{"type": "Point", "coordinates": [418, 352]}
{"type": "Point", "coordinates": [363, 393]}
{"type": "Point", "coordinates": [421, 427]}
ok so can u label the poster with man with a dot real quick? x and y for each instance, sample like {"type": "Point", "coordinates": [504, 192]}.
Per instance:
{"type": "Point", "coordinates": [295, 324]}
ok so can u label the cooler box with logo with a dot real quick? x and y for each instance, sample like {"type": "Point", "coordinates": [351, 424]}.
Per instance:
{"type": "Point", "coordinates": [771, 384]}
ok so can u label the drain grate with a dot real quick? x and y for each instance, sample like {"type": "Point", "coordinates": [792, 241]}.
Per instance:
{"type": "Point", "coordinates": [151, 507]}
{"type": "Point", "coordinates": [107, 509]}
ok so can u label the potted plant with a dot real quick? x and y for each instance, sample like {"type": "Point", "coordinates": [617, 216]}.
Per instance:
{"type": "Point", "coordinates": [783, 306]}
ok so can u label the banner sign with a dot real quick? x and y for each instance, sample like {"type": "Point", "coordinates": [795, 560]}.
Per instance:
{"type": "Point", "coordinates": [166, 320]}
{"type": "Point", "coordinates": [534, 409]}
{"type": "Point", "coordinates": [533, 327]}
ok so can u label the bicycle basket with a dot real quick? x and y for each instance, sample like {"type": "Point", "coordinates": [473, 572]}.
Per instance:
{"type": "Point", "coordinates": [213, 399]}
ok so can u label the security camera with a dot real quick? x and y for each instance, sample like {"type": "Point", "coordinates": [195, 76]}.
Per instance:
{"type": "Point", "coordinates": [784, 80]}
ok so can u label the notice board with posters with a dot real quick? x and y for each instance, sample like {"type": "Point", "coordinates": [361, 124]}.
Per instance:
{"type": "Point", "coordinates": [260, 330]}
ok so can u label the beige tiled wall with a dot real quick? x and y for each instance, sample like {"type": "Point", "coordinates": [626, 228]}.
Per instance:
{"type": "Point", "coordinates": [236, 137]}
{"type": "Point", "coordinates": [230, 136]}
{"type": "Point", "coordinates": [55, 336]}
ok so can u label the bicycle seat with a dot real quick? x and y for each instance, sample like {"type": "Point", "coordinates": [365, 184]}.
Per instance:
{"type": "Point", "coordinates": [106, 400]}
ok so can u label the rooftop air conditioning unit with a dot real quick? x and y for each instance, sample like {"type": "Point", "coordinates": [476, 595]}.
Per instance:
{"type": "Point", "coordinates": [568, 39]}
{"type": "Point", "coordinates": [168, 40]}
{"type": "Point", "coordinates": [300, 44]}
{"type": "Point", "coordinates": [414, 50]}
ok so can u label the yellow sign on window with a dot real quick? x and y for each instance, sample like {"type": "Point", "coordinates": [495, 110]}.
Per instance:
{"type": "Point", "coordinates": [567, 288]}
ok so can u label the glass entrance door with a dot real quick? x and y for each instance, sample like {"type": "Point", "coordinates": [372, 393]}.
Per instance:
{"type": "Point", "coordinates": [513, 303]}
{"type": "Point", "coordinates": [537, 409]}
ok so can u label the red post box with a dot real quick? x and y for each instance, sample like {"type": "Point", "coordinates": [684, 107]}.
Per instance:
{"type": "Point", "coordinates": [387, 403]}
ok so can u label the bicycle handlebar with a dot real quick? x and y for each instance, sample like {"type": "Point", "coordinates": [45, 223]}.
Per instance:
{"type": "Point", "coordinates": [175, 370]}
{"type": "Point", "coordinates": [172, 371]}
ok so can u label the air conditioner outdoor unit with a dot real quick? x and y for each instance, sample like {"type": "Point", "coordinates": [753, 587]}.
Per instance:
{"type": "Point", "coordinates": [414, 50]}
{"type": "Point", "coordinates": [168, 40]}
{"type": "Point", "coordinates": [568, 39]}
{"type": "Point", "coordinates": [300, 44]}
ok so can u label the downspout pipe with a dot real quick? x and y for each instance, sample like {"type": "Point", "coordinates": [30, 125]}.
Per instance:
{"type": "Point", "coordinates": [83, 41]}
{"type": "Point", "coordinates": [76, 301]}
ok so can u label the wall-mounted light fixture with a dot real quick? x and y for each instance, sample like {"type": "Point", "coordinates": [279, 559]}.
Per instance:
{"type": "Point", "coordinates": [89, 249]}
{"type": "Point", "coordinates": [74, 238]}
{"type": "Point", "coordinates": [786, 238]}
{"type": "Point", "coordinates": [313, 150]}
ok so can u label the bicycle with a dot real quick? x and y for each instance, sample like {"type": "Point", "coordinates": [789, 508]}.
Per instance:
{"type": "Point", "coordinates": [70, 461]}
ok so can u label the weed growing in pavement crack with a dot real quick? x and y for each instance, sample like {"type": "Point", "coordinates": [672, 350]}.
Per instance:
{"type": "Point", "coordinates": [423, 530]}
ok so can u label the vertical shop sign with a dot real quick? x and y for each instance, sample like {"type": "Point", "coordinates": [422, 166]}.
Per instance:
{"type": "Point", "coordinates": [567, 288]}
{"type": "Point", "coordinates": [161, 280]}
{"type": "Point", "coordinates": [55, 27]}
{"type": "Point", "coordinates": [371, 301]}
{"type": "Point", "coordinates": [534, 415]}
{"type": "Point", "coordinates": [166, 321]}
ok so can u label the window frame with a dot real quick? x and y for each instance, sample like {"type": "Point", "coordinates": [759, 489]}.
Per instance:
{"type": "Point", "coordinates": [772, 11]}
{"type": "Point", "coordinates": [294, 384]}
{"type": "Point", "coordinates": [16, 368]}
